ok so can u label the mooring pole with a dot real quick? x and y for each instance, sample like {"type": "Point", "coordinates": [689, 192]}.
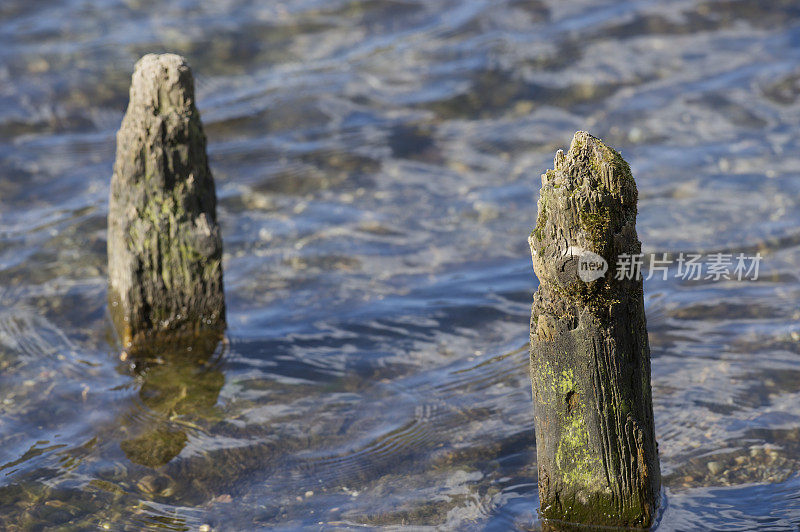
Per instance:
{"type": "Point", "coordinates": [164, 244]}
{"type": "Point", "coordinates": [590, 357]}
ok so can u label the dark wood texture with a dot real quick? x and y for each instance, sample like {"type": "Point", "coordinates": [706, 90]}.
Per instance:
{"type": "Point", "coordinates": [590, 358]}
{"type": "Point", "coordinates": [164, 244]}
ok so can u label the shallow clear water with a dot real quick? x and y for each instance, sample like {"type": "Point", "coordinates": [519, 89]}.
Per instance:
{"type": "Point", "coordinates": [377, 164]}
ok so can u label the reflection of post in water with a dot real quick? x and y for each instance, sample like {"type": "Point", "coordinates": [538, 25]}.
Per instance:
{"type": "Point", "coordinates": [165, 256]}
{"type": "Point", "coordinates": [177, 386]}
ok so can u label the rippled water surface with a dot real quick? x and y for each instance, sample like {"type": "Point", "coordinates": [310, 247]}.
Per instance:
{"type": "Point", "coordinates": [377, 164]}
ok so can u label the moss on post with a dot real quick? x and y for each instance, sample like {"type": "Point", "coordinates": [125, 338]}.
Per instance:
{"type": "Point", "coordinates": [164, 244]}
{"type": "Point", "coordinates": [590, 357]}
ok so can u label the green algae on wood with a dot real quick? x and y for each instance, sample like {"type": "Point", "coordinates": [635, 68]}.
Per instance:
{"type": "Point", "coordinates": [164, 243]}
{"type": "Point", "coordinates": [589, 356]}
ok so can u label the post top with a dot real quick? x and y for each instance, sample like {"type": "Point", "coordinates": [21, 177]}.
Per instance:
{"type": "Point", "coordinates": [592, 166]}
{"type": "Point", "coordinates": [162, 83]}
{"type": "Point", "coordinates": [587, 203]}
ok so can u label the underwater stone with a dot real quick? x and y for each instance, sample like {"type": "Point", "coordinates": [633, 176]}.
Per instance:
{"type": "Point", "coordinates": [589, 356]}
{"type": "Point", "coordinates": [164, 243]}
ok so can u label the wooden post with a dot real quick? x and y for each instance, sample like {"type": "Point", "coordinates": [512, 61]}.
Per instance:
{"type": "Point", "coordinates": [164, 244]}
{"type": "Point", "coordinates": [590, 357]}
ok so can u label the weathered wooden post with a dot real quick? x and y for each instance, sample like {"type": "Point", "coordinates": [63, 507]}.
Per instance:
{"type": "Point", "coordinates": [164, 244]}
{"type": "Point", "coordinates": [590, 357]}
